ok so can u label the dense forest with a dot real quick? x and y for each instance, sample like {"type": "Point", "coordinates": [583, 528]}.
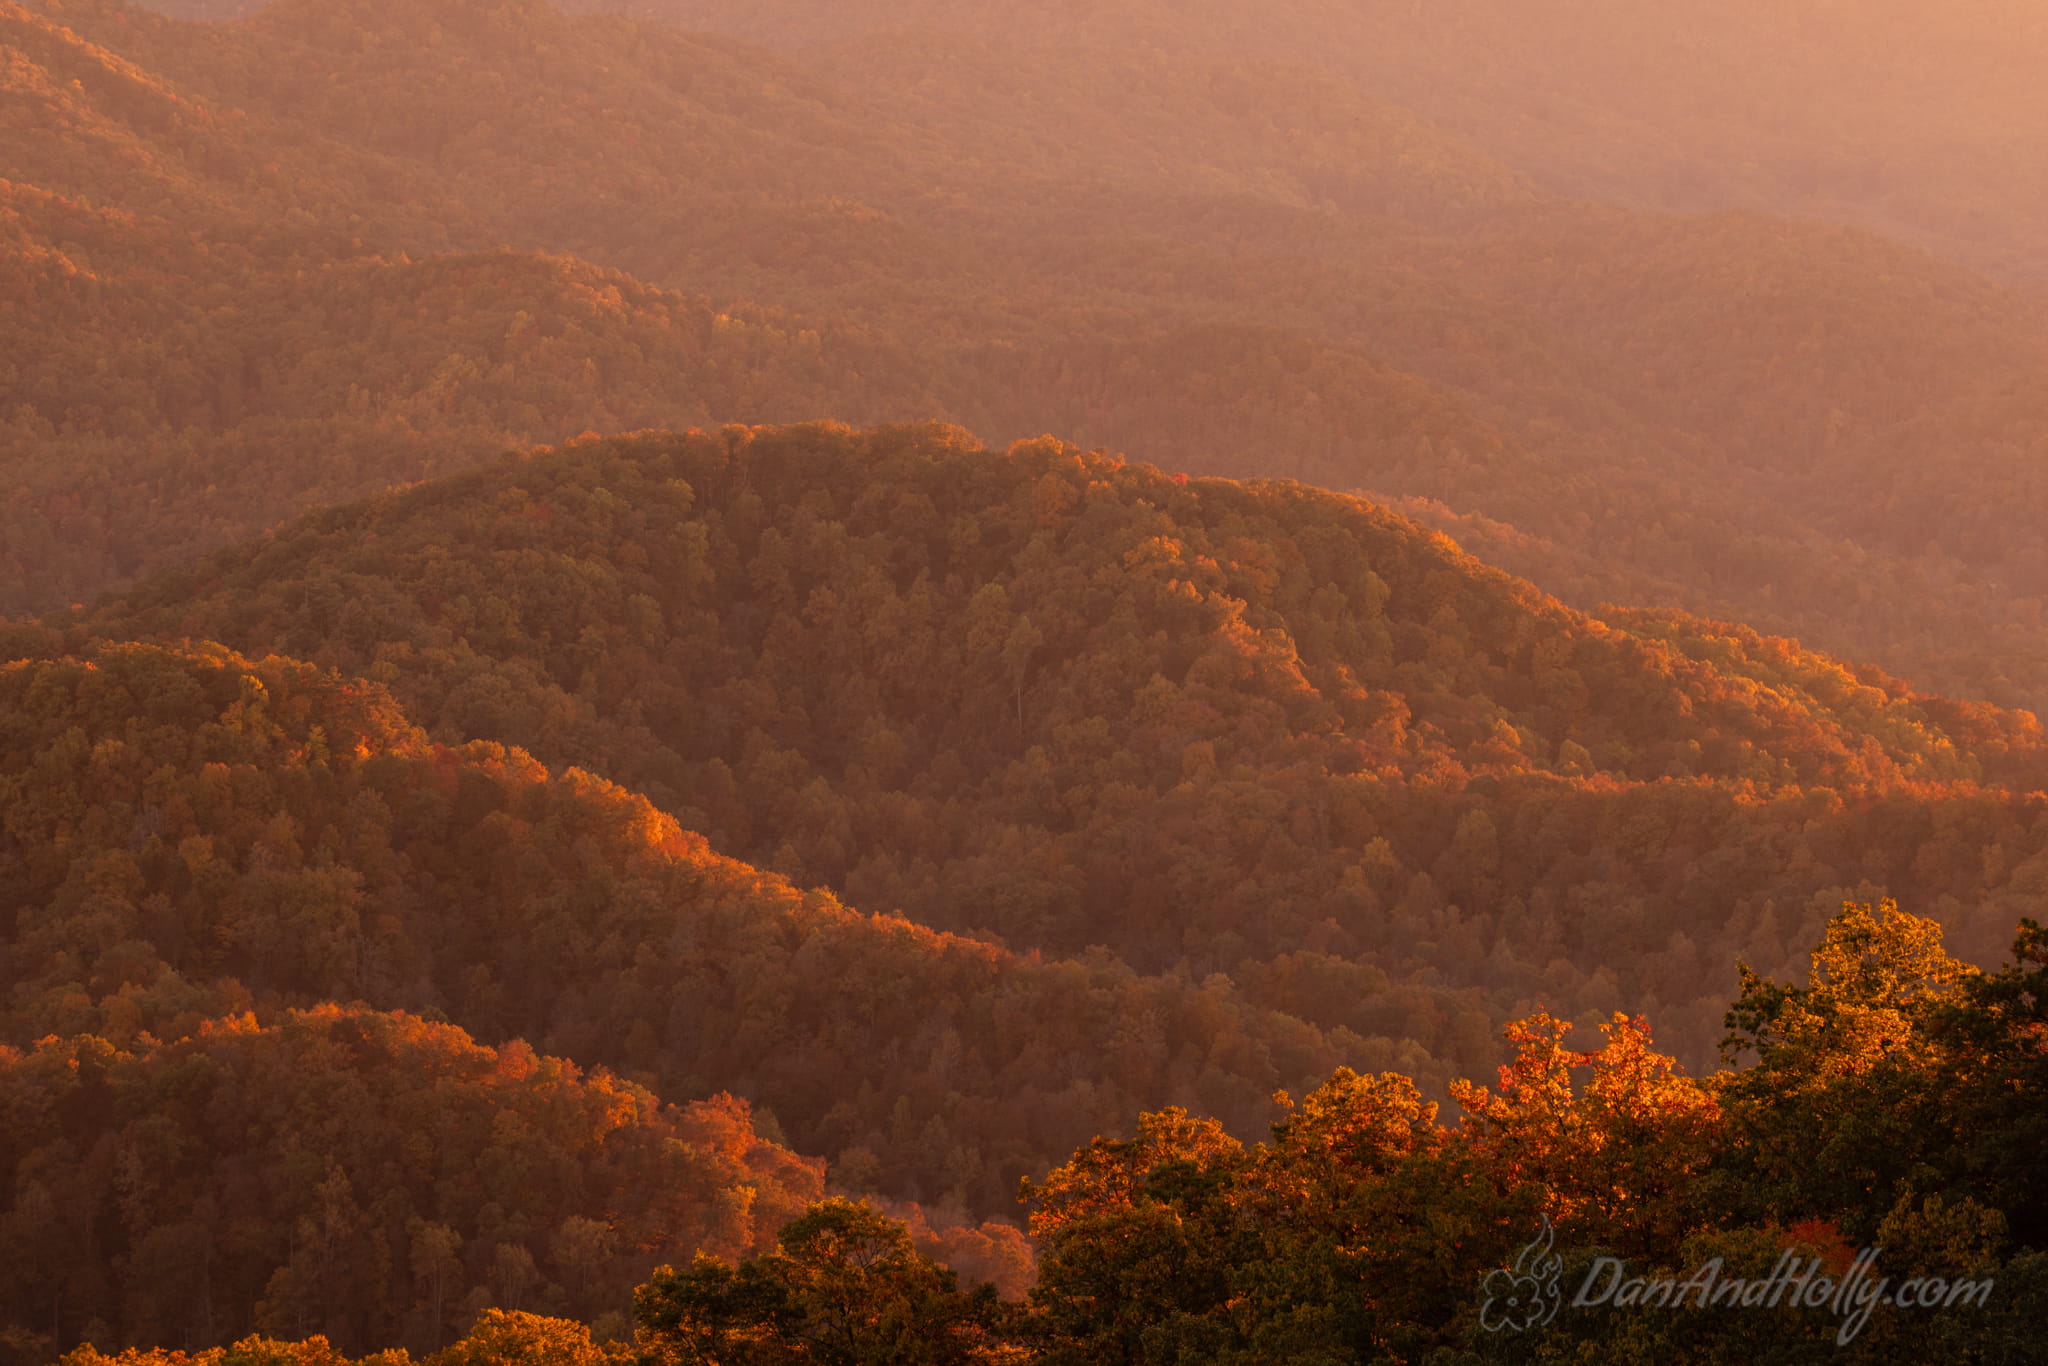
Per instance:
{"type": "Point", "coordinates": [582, 785]}
{"type": "Point", "coordinates": [1251, 729]}
{"type": "Point", "coordinates": [272, 836]}
{"type": "Point", "coordinates": [1363, 1228]}
{"type": "Point", "coordinates": [1152, 791]}
{"type": "Point", "coordinates": [1213, 256]}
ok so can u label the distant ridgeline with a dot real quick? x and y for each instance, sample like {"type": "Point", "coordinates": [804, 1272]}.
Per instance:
{"type": "Point", "coordinates": [1152, 792]}
{"type": "Point", "coordinates": [753, 851]}
{"type": "Point", "coordinates": [261, 266]}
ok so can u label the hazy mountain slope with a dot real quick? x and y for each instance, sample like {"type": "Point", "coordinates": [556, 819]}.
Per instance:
{"type": "Point", "coordinates": [168, 395]}
{"type": "Point", "coordinates": [1196, 124]}
{"type": "Point", "coordinates": [1113, 788]}
{"type": "Point", "coordinates": [639, 112]}
{"type": "Point", "coordinates": [99, 111]}
{"type": "Point", "coordinates": [1222, 399]}
{"type": "Point", "coordinates": [189, 833]}
{"type": "Point", "coordinates": [73, 107]}
{"type": "Point", "coordinates": [1910, 121]}
{"type": "Point", "coordinates": [94, 501]}
{"type": "Point", "coordinates": [704, 162]}
{"type": "Point", "coordinates": [1777, 421]}
{"type": "Point", "coordinates": [368, 1176]}
{"type": "Point", "coordinates": [1243, 728]}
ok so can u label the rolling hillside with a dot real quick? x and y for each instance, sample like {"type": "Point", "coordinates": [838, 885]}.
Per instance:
{"type": "Point", "coordinates": [575, 767]}
{"type": "Point", "coordinates": [1212, 260]}
{"type": "Point", "coordinates": [190, 834]}
{"type": "Point", "coordinates": [1251, 729]}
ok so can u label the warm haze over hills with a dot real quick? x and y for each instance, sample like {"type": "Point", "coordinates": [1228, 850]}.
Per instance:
{"type": "Point", "coordinates": [547, 660]}
{"type": "Point", "coordinates": [1265, 271]}
{"type": "Point", "coordinates": [1912, 122]}
{"type": "Point", "coordinates": [1319, 786]}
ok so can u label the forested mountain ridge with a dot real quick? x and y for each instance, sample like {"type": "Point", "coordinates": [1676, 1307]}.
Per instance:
{"type": "Point", "coordinates": [191, 834]}
{"type": "Point", "coordinates": [485, 813]}
{"type": "Point", "coordinates": [1323, 788]}
{"type": "Point", "coordinates": [936, 509]}
{"type": "Point", "coordinates": [92, 124]}
{"type": "Point", "coordinates": [393, 368]}
{"type": "Point", "coordinates": [1259, 730]}
{"type": "Point", "coordinates": [374, 1177]}
{"type": "Point", "coordinates": [224, 358]}
{"type": "Point", "coordinates": [1214, 262]}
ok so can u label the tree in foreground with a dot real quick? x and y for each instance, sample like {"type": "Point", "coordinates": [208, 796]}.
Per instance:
{"type": "Point", "coordinates": [844, 1287]}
